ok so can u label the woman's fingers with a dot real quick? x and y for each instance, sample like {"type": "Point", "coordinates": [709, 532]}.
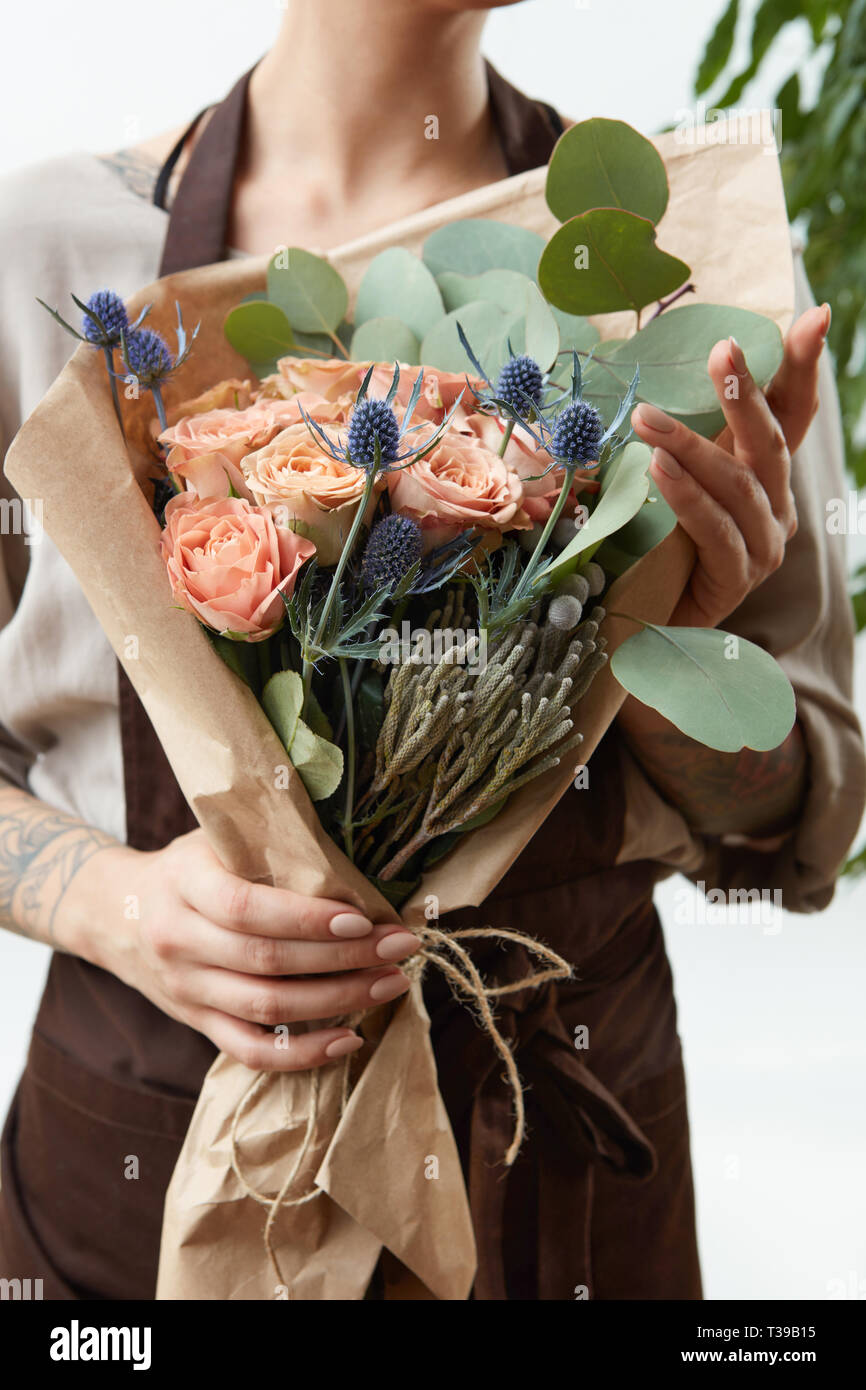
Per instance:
{"type": "Point", "coordinates": [203, 943]}
{"type": "Point", "coordinates": [270, 1002]}
{"type": "Point", "coordinates": [257, 908]}
{"type": "Point", "coordinates": [758, 440]}
{"type": "Point", "coordinates": [727, 480]}
{"type": "Point", "coordinates": [264, 1050]}
{"type": "Point", "coordinates": [793, 392]}
{"type": "Point", "coordinates": [723, 574]}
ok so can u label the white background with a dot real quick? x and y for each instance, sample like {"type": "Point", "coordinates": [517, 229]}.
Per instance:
{"type": "Point", "coordinates": [773, 1023]}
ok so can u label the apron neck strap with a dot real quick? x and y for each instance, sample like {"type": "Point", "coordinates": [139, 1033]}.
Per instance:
{"type": "Point", "coordinates": [199, 217]}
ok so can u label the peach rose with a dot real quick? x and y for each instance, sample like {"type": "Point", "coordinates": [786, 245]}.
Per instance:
{"type": "Point", "coordinates": [206, 450]}
{"type": "Point", "coordinates": [529, 461]}
{"type": "Point", "coordinates": [232, 394]}
{"type": "Point", "coordinates": [331, 378]}
{"type": "Point", "coordinates": [459, 485]}
{"type": "Point", "coordinates": [306, 488]}
{"type": "Point", "coordinates": [439, 392]}
{"type": "Point", "coordinates": [230, 565]}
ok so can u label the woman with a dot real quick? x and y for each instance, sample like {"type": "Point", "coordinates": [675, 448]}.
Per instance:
{"type": "Point", "coordinates": [163, 958]}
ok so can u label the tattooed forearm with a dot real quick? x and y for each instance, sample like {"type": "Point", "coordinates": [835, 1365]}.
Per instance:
{"type": "Point", "coordinates": [41, 851]}
{"type": "Point", "coordinates": [138, 171]}
{"type": "Point", "coordinates": [746, 793]}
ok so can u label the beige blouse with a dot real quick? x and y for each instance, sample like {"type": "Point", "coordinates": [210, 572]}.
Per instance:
{"type": "Point", "coordinates": [74, 224]}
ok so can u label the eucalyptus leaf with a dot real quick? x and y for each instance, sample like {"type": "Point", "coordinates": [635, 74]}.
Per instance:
{"type": "Point", "coordinates": [625, 492]}
{"type": "Point", "coordinates": [397, 285]}
{"type": "Point", "coordinates": [475, 244]}
{"type": "Point", "coordinates": [575, 331]}
{"type": "Point", "coordinates": [717, 688]}
{"type": "Point", "coordinates": [649, 526]}
{"type": "Point", "coordinates": [318, 762]}
{"type": "Point", "coordinates": [259, 331]}
{"type": "Point", "coordinates": [282, 701]}
{"type": "Point", "coordinates": [308, 289]}
{"type": "Point", "coordinates": [519, 298]}
{"type": "Point", "coordinates": [316, 345]}
{"type": "Point", "coordinates": [606, 260]}
{"type": "Point", "coordinates": [486, 328]}
{"type": "Point", "coordinates": [673, 349]}
{"type": "Point", "coordinates": [606, 164]}
{"type": "Point", "coordinates": [385, 340]}
{"type": "Point", "coordinates": [240, 657]}
{"type": "Point", "coordinates": [541, 331]}
{"type": "Point", "coordinates": [505, 288]}
{"type": "Point", "coordinates": [317, 719]}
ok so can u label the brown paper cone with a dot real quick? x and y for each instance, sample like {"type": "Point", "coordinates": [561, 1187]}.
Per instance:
{"type": "Point", "coordinates": [368, 1161]}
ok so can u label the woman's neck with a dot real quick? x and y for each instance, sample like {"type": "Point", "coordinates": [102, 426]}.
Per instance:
{"type": "Point", "coordinates": [363, 111]}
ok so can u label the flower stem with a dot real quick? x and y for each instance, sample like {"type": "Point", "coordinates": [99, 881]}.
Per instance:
{"type": "Point", "coordinates": [160, 408]}
{"type": "Point", "coordinates": [538, 552]}
{"type": "Point", "coordinates": [108, 354]}
{"type": "Point", "coordinates": [350, 759]}
{"type": "Point", "coordinates": [338, 574]}
{"type": "Point", "coordinates": [506, 438]}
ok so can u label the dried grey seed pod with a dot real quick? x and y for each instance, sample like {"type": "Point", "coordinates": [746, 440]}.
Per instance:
{"type": "Point", "coordinates": [575, 584]}
{"type": "Point", "coordinates": [565, 531]}
{"type": "Point", "coordinates": [565, 612]}
{"type": "Point", "coordinates": [528, 540]}
{"type": "Point", "coordinates": [595, 577]}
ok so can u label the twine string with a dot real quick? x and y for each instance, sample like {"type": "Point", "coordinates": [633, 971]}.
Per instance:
{"type": "Point", "coordinates": [465, 978]}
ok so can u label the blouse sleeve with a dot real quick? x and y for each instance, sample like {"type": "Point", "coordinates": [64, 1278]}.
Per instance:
{"type": "Point", "coordinates": [801, 615]}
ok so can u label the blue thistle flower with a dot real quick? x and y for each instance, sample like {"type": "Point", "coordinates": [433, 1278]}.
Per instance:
{"type": "Point", "coordinates": [577, 434]}
{"type": "Point", "coordinates": [520, 384]}
{"type": "Point", "coordinates": [111, 319]}
{"type": "Point", "coordinates": [147, 356]}
{"type": "Point", "coordinates": [393, 548]}
{"type": "Point", "coordinates": [373, 420]}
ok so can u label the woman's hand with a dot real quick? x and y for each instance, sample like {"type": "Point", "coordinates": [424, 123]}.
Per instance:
{"type": "Point", "coordinates": [229, 958]}
{"type": "Point", "coordinates": [733, 495]}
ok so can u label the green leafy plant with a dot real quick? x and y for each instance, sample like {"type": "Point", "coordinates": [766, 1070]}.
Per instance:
{"type": "Point", "coordinates": [822, 156]}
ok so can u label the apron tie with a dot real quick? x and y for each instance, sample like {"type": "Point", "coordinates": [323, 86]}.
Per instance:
{"type": "Point", "coordinates": [571, 1116]}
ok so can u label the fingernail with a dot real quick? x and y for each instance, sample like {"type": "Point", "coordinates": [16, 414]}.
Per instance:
{"type": "Point", "coordinates": [388, 987]}
{"type": "Point", "coordinates": [737, 357]}
{"type": "Point", "coordinates": [341, 1047]}
{"type": "Point", "coordinates": [655, 418]}
{"type": "Point", "coordinates": [396, 945]}
{"type": "Point", "coordinates": [350, 924]}
{"type": "Point", "coordinates": [828, 318]}
{"type": "Point", "coordinates": [667, 463]}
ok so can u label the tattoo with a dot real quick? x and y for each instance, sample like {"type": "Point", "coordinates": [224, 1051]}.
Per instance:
{"type": "Point", "coordinates": [41, 851]}
{"type": "Point", "coordinates": [138, 171]}
{"type": "Point", "coordinates": [751, 793]}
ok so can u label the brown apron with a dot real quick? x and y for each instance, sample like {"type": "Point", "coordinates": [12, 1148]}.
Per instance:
{"type": "Point", "coordinates": [600, 1201]}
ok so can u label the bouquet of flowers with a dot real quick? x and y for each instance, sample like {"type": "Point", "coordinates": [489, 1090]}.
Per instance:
{"type": "Point", "coordinates": [413, 527]}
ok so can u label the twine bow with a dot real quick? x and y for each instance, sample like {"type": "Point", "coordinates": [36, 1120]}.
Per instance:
{"type": "Point", "coordinates": [464, 977]}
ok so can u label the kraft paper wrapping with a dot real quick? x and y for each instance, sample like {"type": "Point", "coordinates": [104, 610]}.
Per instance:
{"type": "Point", "coordinates": [727, 219]}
